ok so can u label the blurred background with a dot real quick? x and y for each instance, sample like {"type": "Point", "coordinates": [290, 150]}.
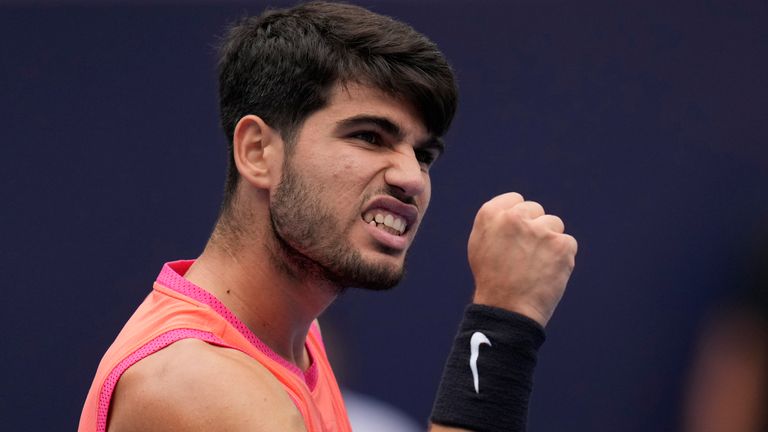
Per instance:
{"type": "Point", "coordinates": [643, 124]}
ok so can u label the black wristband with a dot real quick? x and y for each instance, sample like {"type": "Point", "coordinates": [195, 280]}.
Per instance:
{"type": "Point", "coordinates": [488, 376]}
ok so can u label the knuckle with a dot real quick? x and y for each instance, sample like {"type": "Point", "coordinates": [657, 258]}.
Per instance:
{"type": "Point", "coordinates": [562, 244]}
{"type": "Point", "coordinates": [508, 200]}
{"type": "Point", "coordinates": [552, 223]}
{"type": "Point", "coordinates": [500, 203]}
{"type": "Point", "coordinates": [488, 206]}
{"type": "Point", "coordinates": [485, 210]}
{"type": "Point", "coordinates": [557, 220]}
{"type": "Point", "coordinates": [542, 232]}
{"type": "Point", "coordinates": [568, 246]}
{"type": "Point", "coordinates": [512, 217]}
{"type": "Point", "coordinates": [535, 205]}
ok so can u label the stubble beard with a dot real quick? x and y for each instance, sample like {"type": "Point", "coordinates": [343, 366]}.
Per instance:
{"type": "Point", "coordinates": [313, 245]}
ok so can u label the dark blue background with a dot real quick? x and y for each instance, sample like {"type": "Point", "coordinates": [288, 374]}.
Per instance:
{"type": "Point", "coordinates": [643, 125]}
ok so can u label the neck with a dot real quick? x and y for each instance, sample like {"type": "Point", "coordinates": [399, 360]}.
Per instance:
{"type": "Point", "coordinates": [277, 306]}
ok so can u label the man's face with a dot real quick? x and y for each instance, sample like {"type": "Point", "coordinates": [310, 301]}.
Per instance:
{"type": "Point", "coordinates": [354, 189]}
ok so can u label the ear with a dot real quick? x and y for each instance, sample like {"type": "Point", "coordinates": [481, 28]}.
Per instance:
{"type": "Point", "coordinates": [258, 152]}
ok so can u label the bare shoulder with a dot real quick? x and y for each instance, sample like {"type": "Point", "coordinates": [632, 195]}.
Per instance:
{"type": "Point", "coordinates": [195, 386]}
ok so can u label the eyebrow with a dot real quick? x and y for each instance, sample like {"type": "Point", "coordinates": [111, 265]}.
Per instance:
{"type": "Point", "coordinates": [391, 128]}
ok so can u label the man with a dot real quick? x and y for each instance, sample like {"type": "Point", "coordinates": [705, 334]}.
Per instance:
{"type": "Point", "coordinates": [334, 116]}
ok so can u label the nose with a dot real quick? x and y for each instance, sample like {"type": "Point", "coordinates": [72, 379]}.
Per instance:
{"type": "Point", "coordinates": [405, 172]}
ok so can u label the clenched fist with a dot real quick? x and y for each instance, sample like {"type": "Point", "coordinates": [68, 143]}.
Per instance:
{"type": "Point", "coordinates": [520, 257]}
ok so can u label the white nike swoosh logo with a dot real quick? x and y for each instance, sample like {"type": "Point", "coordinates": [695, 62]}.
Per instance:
{"type": "Point", "coordinates": [474, 352]}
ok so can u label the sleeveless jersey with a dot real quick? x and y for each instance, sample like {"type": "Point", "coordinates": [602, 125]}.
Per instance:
{"type": "Point", "coordinates": [177, 309]}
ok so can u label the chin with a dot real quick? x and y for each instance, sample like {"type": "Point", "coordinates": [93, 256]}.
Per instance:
{"type": "Point", "coordinates": [373, 274]}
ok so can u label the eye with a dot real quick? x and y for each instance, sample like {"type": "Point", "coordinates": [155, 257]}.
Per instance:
{"type": "Point", "coordinates": [367, 136]}
{"type": "Point", "coordinates": [425, 157]}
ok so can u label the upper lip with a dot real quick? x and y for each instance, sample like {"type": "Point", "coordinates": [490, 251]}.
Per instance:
{"type": "Point", "coordinates": [393, 205]}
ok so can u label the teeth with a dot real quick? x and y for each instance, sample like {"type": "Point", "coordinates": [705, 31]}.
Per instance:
{"type": "Point", "coordinates": [389, 221]}
{"type": "Point", "coordinates": [400, 224]}
{"type": "Point", "coordinates": [395, 223]}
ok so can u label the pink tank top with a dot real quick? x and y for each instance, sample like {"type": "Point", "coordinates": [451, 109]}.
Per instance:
{"type": "Point", "coordinates": [177, 309]}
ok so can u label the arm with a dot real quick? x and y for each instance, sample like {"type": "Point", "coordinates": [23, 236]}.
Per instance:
{"type": "Point", "coordinates": [194, 386]}
{"type": "Point", "coordinates": [521, 260]}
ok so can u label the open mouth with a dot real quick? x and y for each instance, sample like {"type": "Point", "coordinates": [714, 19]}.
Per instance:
{"type": "Point", "coordinates": [386, 221]}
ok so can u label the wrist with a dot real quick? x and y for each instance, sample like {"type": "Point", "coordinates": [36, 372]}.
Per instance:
{"type": "Point", "coordinates": [488, 377]}
{"type": "Point", "coordinates": [518, 307]}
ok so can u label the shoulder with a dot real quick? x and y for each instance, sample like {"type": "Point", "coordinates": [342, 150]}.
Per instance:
{"type": "Point", "coordinates": [192, 385]}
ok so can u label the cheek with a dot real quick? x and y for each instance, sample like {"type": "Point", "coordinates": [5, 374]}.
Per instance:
{"type": "Point", "coordinates": [347, 170]}
{"type": "Point", "coordinates": [344, 168]}
{"type": "Point", "coordinates": [329, 168]}
{"type": "Point", "coordinates": [344, 178]}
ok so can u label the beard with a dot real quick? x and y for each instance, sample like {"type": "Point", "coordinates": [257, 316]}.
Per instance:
{"type": "Point", "coordinates": [314, 244]}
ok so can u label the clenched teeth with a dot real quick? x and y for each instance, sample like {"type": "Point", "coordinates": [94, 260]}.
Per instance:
{"type": "Point", "coordinates": [382, 220]}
